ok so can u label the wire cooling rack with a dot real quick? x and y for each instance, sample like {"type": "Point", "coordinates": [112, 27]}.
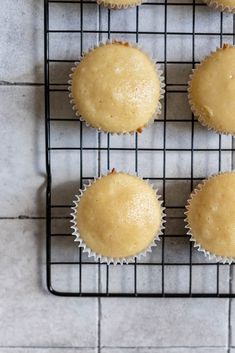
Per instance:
{"type": "Point", "coordinates": [175, 152]}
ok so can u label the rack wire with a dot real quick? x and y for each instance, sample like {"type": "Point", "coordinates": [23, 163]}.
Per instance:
{"type": "Point", "coordinates": [75, 153]}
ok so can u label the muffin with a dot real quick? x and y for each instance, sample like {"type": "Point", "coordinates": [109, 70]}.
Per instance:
{"type": "Point", "coordinates": [222, 5]}
{"type": "Point", "coordinates": [210, 217]}
{"type": "Point", "coordinates": [119, 4]}
{"type": "Point", "coordinates": [116, 88]}
{"type": "Point", "coordinates": [117, 217]}
{"type": "Point", "coordinates": [212, 91]}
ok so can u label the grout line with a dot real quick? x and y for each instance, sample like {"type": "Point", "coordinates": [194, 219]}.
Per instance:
{"type": "Point", "coordinates": [111, 348]}
{"type": "Point", "coordinates": [229, 339]}
{"type": "Point", "coordinates": [33, 217]}
{"type": "Point", "coordinates": [8, 83]}
{"type": "Point", "coordinates": [99, 327]}
{"type": "Point", "coordinates": [160, 347]}
{"type": "Point", "coordinates": [99, 313]}
{"type": "Point", "coordinates": [229, 326]}
{"type": "Point", "coordinates": [23, 218]}
{"type": "Point", "coordinates": [46, 347]}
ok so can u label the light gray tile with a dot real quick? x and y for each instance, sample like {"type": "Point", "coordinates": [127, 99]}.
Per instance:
{"type": "Point", "coordinates": [207, 20]}
{"type": "Point", "coordinates": [47, 350]}
{"type": "Point", "coordinates": [22, 151]}
{"type": "Point", "coordinates": [21, 27]}
{"type": "Point", "coordinates": [149, 279]}
{"type": "Point", "coordinates": [205, 279]}
{"type": "Point", "coordinates": [176, 132]}
{"type": "Point", "coordinates": [176, 51]}
{"type": "Point", "coordinates": [204, 45]}
{"type": "Point", "coordinates": [233, 322]}
{"type": "Point", "coordinates": [64, 16]}
{"type": "Point", "coordinates": [206, 164]}
{"type": "Point", "coordinates": [178, 165]}
{"type": "Point", "coordinates": [152, 137]}
{"type": "Point", "coordinates": [162, 323]}
{"type": "Point", "coordinates": [151, 12]}
{"type": "Point", "coordinates": [176, 279]}
{"type": "Point", "coordinates": [150, 164]}
{"type": "Point", "coordinates": [65, 278]}
{"type": "Point", "coordinates": [204, 138]}
{"type": "Point", "coordinates": [164, 350]}
{"type": "Point", "coordinates": [121, 279]}
{"type": "Point", "coordinates": [122, 160]}
{"type": "Point", "coordinates": [31, 316]}
{"type": "Point", "coordinates": [179, 19]}
{"type": "Point", "coordinates": [153, 44]}
{"type": "Point", "coordinates": [126, 18]}
{"type": "Point", "coordinates": [119, 141]}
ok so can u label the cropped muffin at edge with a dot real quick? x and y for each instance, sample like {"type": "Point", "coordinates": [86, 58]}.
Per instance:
{"type": "Point", "coordinates": [212, 91]}
{"type": "Point", "coordinates": [222, 5]}
{"type": "Point", "coordinates": [210, 216]}
{"type": "Point", "coordinates": [119, 4]}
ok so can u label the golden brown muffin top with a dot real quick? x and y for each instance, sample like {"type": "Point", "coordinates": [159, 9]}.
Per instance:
{"type": "Point", "coordinates": [119, 216]}
{"type": "Point", "coordinates": [213, 91]}
{"type": "Point", "coordinates": [116, 88]}
{"type": "Point", "coordinates": [211, 215]}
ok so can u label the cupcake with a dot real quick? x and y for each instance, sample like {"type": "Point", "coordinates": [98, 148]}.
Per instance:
{"type": "Point", "coordinates": [212, 91]}
{"type": "Point", "coordinates": [210, 217]}
{"type": "Point", "coordinates": [119, 4]}
{"type": "Point", "coordinates": [116, 88]}
{"type": "Point", "coordinates": [117, 218]}
{"type": "Point", "coordinates": [222, 5]}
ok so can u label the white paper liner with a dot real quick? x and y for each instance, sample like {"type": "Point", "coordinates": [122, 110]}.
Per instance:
{"type": "Point", "coordinates": [219, 7]}
{"type": "Point", "coordinates": [113, 260]}
{"type": "Point", "coordinates": [106, 3]}
{"type": "Point", "coordinates": [198, 246]}
{"type": "Point", "coordinates": [190, 99]}
{"type": "Point", "coordinates": [158, 71]}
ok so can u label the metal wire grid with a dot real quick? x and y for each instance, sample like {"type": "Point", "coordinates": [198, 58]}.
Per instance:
{"type": "Point", "coordinates": [101, 274]}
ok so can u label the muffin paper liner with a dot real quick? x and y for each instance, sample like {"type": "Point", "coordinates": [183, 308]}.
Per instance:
{"type": "Point", "coordinates": [158, 71]}
{"type": "Point", "coordinates": [208, 254]}
{"type": "Point", "coordinates": [105, 3]}
{"type": "Point", "coordinates": [219, 7]}
{"type": "Point", "coordinates": [190, 99]}
{"type": "Point", "coordinates": [105, 259]}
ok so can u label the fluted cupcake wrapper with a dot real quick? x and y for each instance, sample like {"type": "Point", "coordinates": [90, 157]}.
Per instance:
{"type": "Point", "coordinates": [105, 3]}
{"type": "Point", "coordinates": [157, 69]}
{"type": "Point", "coordinates": [100, 257]}
{"type": "Point", "coordinates": [198, 246]}
{"type": "Point", "coordinates": [219, 7]}
{"type": "Point", "coordinates": [190, 99]}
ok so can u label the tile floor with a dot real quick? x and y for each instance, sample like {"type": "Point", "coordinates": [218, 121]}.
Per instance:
{"type": "Point", "coordinates": [31, 319]}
